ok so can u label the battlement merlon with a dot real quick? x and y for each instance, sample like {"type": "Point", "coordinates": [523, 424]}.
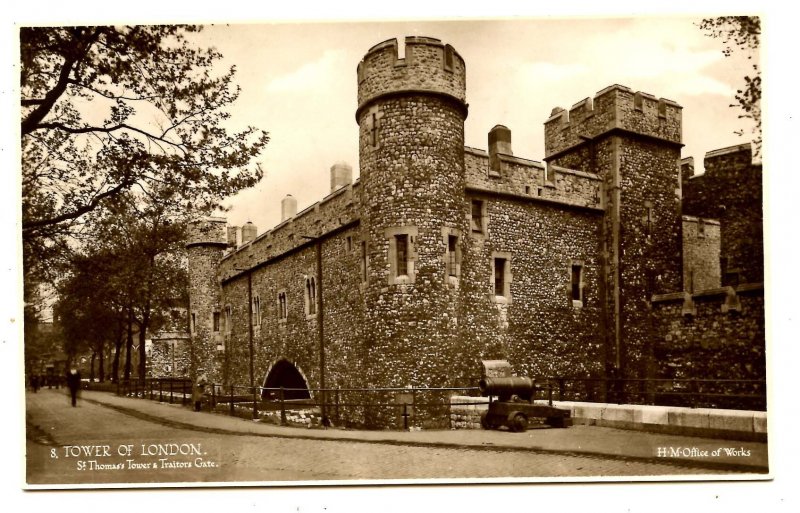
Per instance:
{"type": "Point", "coordinates": [614, 109]}
{"type": "Point", "coordinates": [207, 231]}
{"type": "Point", "coordinates": [428, 67]}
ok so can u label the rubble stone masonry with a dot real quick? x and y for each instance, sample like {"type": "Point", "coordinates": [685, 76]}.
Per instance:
{"type": "Point", "coordinates": [440, 256]}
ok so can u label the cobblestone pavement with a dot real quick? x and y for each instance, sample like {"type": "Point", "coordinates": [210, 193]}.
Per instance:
{"type": "Point", "coordinates": [214, 452]}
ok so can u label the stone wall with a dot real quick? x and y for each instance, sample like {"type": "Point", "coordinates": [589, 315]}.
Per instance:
{"type": "Point", "coordinates": [701, 243]}
{"type": "Point", "coordinates": [730, 191]}
{"type": "Point", "coordinates": [206, 242]}
{"type": "Point", "coordinates": [424, 68]}
{"type": "Point", "coordinates": [532, 179]}
{"type": "Point", "coordinates": [170, 355]}
{"type": "Point", "coordinates": [604, 210]}
{"type": "Point", "coordinates": [632, 141]}
{"type": "Point", "coordinates": [713, 334]}
{"type": "Point", "coordinates": [543, 332]}
{"type": "Point", "coordinates": [296, 337]}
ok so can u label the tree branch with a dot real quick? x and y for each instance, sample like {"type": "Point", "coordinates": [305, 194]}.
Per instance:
{"type": "Point", "coordinates": [41, 223]}
{"type": "Point", "coordinates": [33, 119]}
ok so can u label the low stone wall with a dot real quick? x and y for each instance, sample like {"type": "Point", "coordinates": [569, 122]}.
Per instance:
{"type": "Point", "coordinates": [707, 422]}
{"type": "Point", "coordinates": [465, 412]}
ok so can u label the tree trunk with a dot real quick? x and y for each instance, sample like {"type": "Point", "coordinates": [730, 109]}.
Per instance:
{"type": "Point", "coordinates": [91, 367]}
{"type": "Point", "coordinates": [102, 368]}
{"type": "Point", "coordinates": [129, 346]}
{"type": "Point", "coordinates": [117, 350]}
{"type": "Point", "coordinates": [142, 351]}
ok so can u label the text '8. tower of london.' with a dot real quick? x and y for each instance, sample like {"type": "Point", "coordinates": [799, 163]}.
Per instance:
{"type": "Point", "coordinates": [440, 256]}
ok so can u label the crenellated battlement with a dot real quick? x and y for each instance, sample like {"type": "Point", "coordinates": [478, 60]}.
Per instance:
{"type": "Point", "coordinates": [530, 179]}
{"type": "Point", "coordinates": [337, 209]}
{"type": "Point", "coordinates": [429, 66]}
{"type": "Point", "coordinates": [207, 231]}
{"type": "Point", "coordinates": [615, 108]}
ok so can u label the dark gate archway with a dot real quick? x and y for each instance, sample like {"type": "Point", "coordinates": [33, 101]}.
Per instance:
{"type": "Point", "coordinates": [284, 374]}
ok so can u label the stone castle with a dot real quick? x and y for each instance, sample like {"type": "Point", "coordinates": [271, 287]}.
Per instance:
{"type": "Point", "coordinates": [610, 259]}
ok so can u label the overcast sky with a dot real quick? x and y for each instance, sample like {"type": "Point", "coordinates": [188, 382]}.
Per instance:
{"type": "Point", "coordinates": [299, 83]}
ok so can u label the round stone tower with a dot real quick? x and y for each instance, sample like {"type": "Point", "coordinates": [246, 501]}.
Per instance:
{"type": "Point", "coordinates": [411, 114]}
{"type": "Point", "coordinates": [206, 242]}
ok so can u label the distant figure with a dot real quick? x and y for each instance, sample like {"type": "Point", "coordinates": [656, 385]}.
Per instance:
{"type": "Point", "coordinates": [197, 393]}
{"type": "Point", "coordinates": [74, 384]}
{"type": "Point", "coordinates": [35, 383]}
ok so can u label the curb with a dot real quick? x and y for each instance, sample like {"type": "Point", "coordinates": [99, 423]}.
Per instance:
{"type": "Point", "coordinates": [674, 462]}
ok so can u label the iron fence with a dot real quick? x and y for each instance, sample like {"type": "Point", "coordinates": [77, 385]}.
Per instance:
{"type": "Point", "coordinates": [430, 408]}
{"type": "Point", "coordinates": [737, 394]}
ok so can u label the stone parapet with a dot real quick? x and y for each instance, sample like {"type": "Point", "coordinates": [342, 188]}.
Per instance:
{"type": "Point", "coordinates": [428, 66]}
{"type": "Point", "coordinates": [614, 108]}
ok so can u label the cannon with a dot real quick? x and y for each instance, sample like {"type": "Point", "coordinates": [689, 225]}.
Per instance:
{"type": "Point", "coordinates": [514, 405]}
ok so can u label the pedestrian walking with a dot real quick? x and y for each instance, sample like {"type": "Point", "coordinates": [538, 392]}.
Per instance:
{"type": "Point", "coordinates": [35, 383]}
{"type": "Point", "coordinates": [198, 391]}
{"type": "Point", "coordinates": [74, 384]}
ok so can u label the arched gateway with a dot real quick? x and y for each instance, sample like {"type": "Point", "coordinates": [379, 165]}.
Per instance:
{"type": "Point", "coordinates": [284, 374]}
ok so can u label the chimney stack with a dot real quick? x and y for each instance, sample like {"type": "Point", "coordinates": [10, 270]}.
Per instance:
{"type": "Point", "coordinates": [288, 207]}
{"type": "Point", "coordinates": [249, 232]}
{"type": "Point", "coordinates": [341, 175]}
{"type": "Point", "coordinates": [499, 142]}
{"type": "Point", "coordinates": [232, 236]}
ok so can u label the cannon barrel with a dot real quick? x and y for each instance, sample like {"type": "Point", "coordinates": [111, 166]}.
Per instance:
{"type": "Point", "coordinates": [504, 388]}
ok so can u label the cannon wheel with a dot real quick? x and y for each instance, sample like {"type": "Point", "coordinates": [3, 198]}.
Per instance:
{"type": "Point", "coordinates": [517, 422]}
{"type": "Point", "coordinates": [485, 421]}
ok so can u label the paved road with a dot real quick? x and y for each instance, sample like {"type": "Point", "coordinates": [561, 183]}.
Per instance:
{"type": "Point", "coordinates": [96, 444]}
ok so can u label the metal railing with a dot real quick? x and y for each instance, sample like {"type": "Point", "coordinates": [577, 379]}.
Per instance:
{"type": "Point", "coordinates": [350, 407]}
{"type": "Point", "coordinates": [404, 407]}
{"type": "Point", "coordinates": [741, 394]}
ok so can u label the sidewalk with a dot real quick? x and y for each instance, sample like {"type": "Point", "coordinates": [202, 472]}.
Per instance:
{"type": "Point", "coordinates": [605, 442]}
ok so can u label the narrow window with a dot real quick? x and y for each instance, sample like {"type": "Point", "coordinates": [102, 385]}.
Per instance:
{"type": "Point", "coordinates": [477, 216]}
{"type": "Point", "coordinates": [215, 321]}
{"type": "Point", "coordinates": [311, 296]}
{"type": "Point", "coordinates": [228, 319]}
{"type": "Point", "coordinates": [448, 58]}
{"type": "Point", "coordinates": [256, 311]}
{"type": "Point", "coordinates": [648, 217]}
{"type": "Point", "coordinates": [577, 292]}
{"type": "Point", "coordinates": [283, 309]}
{"type": "Point", "coordinates": [499, 276]}
{"type": "Point", "coordinates": [349, 243]}
{"type": "Point", "coordinates": [452, 256]}
{"type": "Point", "coordinates": [401, 242]}
{"type": "Point", "coordinates": [364, 261]}
{"type": "Point", "coordinates": [373, 132]}
{"type": "Point", "coordinates": [194, 325]}
{"type": "Point", "coordinates": [527, 189]}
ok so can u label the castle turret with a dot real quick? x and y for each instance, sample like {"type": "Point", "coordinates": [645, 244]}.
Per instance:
{"type": "Point", "coordinates": [411, 114]}
{"type": "Point", "coordinates": [633, 141]}
{"type": "Point", "coordinates": [206, 242]}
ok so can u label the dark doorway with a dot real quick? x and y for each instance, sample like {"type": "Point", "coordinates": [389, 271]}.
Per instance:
{"type": "Point", "coordinates": [286, 375]}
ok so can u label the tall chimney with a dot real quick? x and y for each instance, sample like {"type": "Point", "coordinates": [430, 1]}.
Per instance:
{"type": "Point", "coordinates": [499, 142]}
{"type": "Point", "coordinates": [232, 236]}
{"type": "Point", "coordinates": [341, 175]}
{"type": "Point", "coordinates": [249, 232]}
{"type": "Point", "coordinates": [288, 207]}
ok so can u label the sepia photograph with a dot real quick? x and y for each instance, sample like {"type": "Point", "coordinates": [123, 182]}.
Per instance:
{"type": "Point", "coordinates": [282, 253]}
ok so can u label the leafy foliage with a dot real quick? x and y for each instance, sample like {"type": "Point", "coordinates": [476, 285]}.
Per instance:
{"type": "Point", "coordinates": [109, 110]}
{"type": "Point", "coordinates": [742, 33]}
